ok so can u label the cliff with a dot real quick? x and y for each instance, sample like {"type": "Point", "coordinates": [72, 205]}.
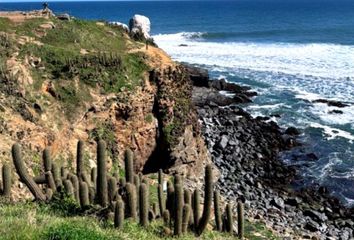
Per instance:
{"type": "Point", "coordinates": [61, 81]}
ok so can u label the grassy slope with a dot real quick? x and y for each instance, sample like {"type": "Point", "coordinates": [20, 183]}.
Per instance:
{"type": "Point", "coordinates": [31, 221]}
{"type": "Point", "coordinates": [62, 59]}
{"type": "Point", "coordinates": [64, 220]}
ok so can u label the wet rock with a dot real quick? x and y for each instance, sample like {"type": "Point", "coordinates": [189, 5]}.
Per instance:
{"type": "Point", "coordinates": [312, 157]}
{"type": "Point", "coordinates": [335, 111]}
{"type": "Point", "coordinates": [199, 76]}
{"type": "Point", "coordinates": [292, 131]}
{"type": "Point", "coordinates": [331, 103]}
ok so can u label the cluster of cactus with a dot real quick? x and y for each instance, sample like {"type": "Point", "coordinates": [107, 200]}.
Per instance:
{"type": "Point", "coordinates": [101, 59]}
{"type": "Point", "coordinates": [128, 197]}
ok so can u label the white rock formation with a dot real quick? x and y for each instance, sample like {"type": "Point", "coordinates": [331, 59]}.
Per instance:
{"type": "Point", "coordinates": [122, 25]}
{"type": "Point", "coordinates": [140, 24]}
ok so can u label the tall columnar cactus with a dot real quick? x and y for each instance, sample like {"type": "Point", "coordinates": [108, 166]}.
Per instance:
{"type": "Point", "coordinates": [240, 220]}
{"type": "Point", "coordinates": [188, 200]}
{"type": "Point", "coordinates": [137, 182]}
{"type": "Point", "coordinates": [92, 194]}
{"type": "Point", "coordinates": [47, 162]}
{"type": "Point", "coordinates": [86, 178]}
{"type": "Point", "coordinates": [116, 175]}
{"type": "Point", "coordinates": [170, 198]}
{"type": "Point", "coordinates": [23, 174]}
{"type": "Point", "coordinates": [69, 189]}
{"type": "Point", "coordinates": [94, 177]}
{"type": "Point", "coordinates": [64, 173]}
{"type": "Point", "coordinates": [119, 214]}
{"type": "Point", "coordinates": [160, 177]}
{"type": "Point", "coordinates": [151, 215]}
{"type": "Point", "coordinates": [50, 181]}
{"type": "Point", "coordinates": [84, 195]}
{"type": "Point", "coordinates": [40, 179]}
{"type": "Point", "coordinates": [178, 215]}
{"type": "Point", "coordinates": [122, 182]}
{"type": "Point", "coordinates": [49, 193]}
{"type": "Point", "coordinates": [129, 166]}
{"type": "Point", "coordinates": [166, 217]}
{"type": "Point", "coordinates": [155, 209]}
{"type": "Point", "coordinates": [196, 208]}
{"type": "Point", "coordinates": [208, 198]}
{"type": "Point", "coordinates": [112, 188]}
{"type": "Point", "coordinates": [187, 197]}
{"type": "Point", "coordinates": [161, 199]}
{"type": "Point", "coordinates": [79, 158]}
{"type": "Point", "coordinates": [75, 181]}
{"type": "Point", "coordinates": [102, 194]}
{"type": "Point", "coordinates": [178, 180]}
{"type": "Point", "coordinates": [144, 205]}
{"type": "Point", "coordinates": [131, 200]}
{"type": "Point", "coordinates": [57, 177]}
{"type": "Point", "coordinates": [6, 179]}
{"type": "Point", "coordinates": [217, 213]}
{"type": "Point", "coordinates": [228, 219]}
{"type": "Point", "coordinates": [186, 217]}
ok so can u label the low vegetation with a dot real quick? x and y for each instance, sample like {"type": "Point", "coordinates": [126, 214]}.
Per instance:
{"type": "Point", "coordinates": [80, 56]}
{"type": "Point", "coordinates": [74, 205]}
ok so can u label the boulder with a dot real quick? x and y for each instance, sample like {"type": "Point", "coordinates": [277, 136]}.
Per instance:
{"type": "Point", "coordinates": [47, 25]}
{"type": "Point", "coordinates": [277, 202]}
{"type": "Point", "coordinates": [292, 131]}
{"type": "Point", "coordinates": [139, 27]}
{"type": "Point", "coordinates": [65, 17]}
{"type": "Point", "coordinates": [121, 25]}
{"type": "Point", "coordinates": [331, 103]}
{"type": "Point", "coordinates": [199, 76]}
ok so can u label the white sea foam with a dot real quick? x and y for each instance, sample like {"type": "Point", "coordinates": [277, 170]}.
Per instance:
{"type": "Point", "coordinates": [267, 106]}
{"type": "Point", "coordinates": [316, 60]}
{"type": "Point", "coordinates": [323, 111]}
{"type": "Point", "coordinates": [333, 133]}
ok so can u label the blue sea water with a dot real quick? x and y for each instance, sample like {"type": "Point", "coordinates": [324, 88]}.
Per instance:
{"type": "Point", "coordinates": [290, 51]}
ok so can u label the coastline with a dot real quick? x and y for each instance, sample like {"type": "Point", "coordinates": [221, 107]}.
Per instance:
{"type": "Point", "coordinates": [253, 172]}
{"type": "Point", "coordinates": [246, 151]}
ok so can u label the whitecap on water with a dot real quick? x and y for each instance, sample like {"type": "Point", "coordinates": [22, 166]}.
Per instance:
{"type": "Point", "coordinates": [332, 133]}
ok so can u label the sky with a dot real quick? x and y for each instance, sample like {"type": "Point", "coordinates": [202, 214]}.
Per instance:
{"type": "Point", "coordinates": [69, 0]}
{"type": "Point", "coordinates": [61, 0]}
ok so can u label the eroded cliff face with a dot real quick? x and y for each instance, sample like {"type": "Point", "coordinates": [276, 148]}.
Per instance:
{"type": "Point", "coordinates": [42, 105]}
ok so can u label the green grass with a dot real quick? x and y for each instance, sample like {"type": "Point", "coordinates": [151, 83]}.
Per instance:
{"type": "Point", "coordinates": [29, 221]}
{"type": "Point", "coordinates": [107, 67]}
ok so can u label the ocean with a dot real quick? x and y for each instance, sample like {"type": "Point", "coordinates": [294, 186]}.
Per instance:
{"type": "Point", "coordinates": [290, 51]}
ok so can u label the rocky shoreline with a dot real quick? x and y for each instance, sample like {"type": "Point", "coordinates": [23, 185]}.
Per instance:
{"type": "Point", "coordinates": [246, 151]}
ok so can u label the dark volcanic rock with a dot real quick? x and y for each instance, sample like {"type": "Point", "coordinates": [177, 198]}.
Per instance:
{"type": "Point", "coordinates": [335, 111]}
{"type": "Point", "coordinates": [331, 103]}
{"type": "Point", "coordinates": [199, 76]}
{"type": "Point", "coordinates": [246, 149]}
{"type": "Point", "coordinates": [293, 131]}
